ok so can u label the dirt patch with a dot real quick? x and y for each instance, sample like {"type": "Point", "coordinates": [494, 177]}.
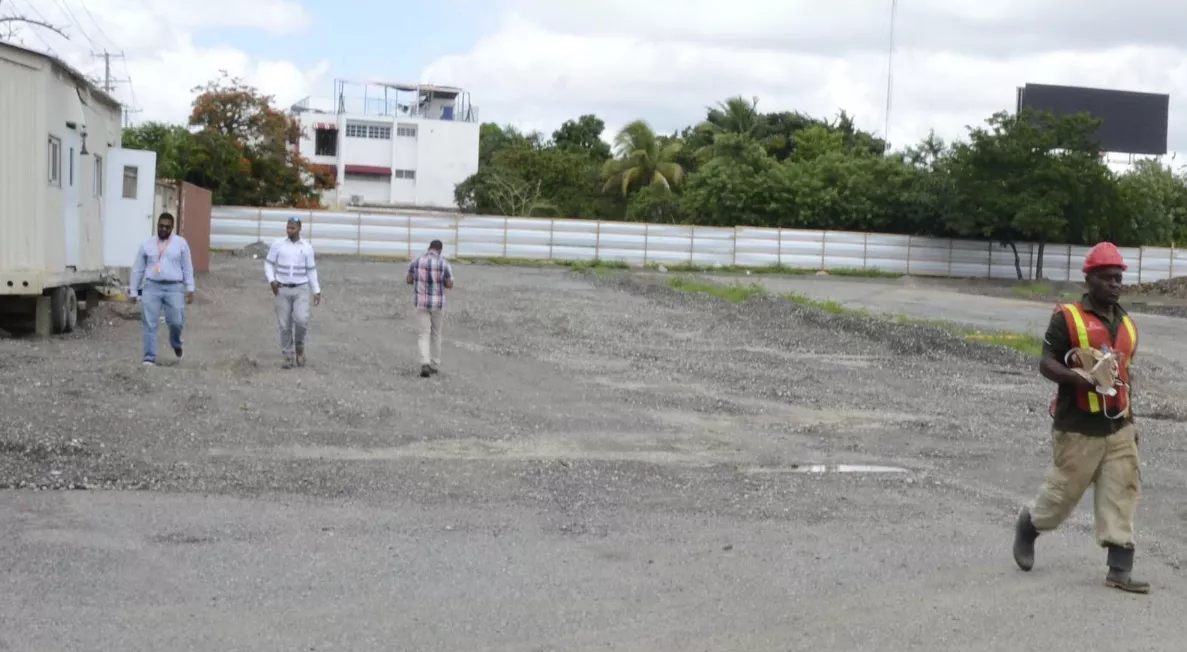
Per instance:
{"type": "Point", "coordinates": [1147, 298]}
{"type": "Point", "coordinates": [1172, 288]}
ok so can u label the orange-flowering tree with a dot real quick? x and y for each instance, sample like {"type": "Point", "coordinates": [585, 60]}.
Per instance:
{"type": "Point", "coordinates": [244, 144]}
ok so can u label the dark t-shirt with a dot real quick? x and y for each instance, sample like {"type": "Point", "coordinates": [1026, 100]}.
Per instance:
{"type": "Point", "coordinates": [1056, 343]}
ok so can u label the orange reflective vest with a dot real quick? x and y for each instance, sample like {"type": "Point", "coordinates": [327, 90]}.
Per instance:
{"type": "Point", "coordinates": [1086, 330]}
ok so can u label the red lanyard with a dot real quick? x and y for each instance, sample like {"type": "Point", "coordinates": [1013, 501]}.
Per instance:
{"type": "Point", "coordinates": [161, 250]}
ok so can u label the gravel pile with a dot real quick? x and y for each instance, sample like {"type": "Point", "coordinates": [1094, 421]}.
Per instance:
{"type": "Point", "coordinates": [1172, 288]}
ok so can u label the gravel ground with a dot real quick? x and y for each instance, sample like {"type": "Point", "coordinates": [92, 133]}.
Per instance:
{"type": "Point", "coordinates": [592, 438]}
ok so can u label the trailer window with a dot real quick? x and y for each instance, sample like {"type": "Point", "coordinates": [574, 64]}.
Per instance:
{"type": "Point", "coordinates": [55, 161]}
{"type": "Point", "coordinates": [98, 189]}
{"type": "Point", "coordinates": [131, 173]}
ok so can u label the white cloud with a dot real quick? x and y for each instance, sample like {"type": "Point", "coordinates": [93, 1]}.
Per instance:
{"type": "Point", "coordinates": [157, 40]}
{"type": "Point", "coordinates": [956, 61]}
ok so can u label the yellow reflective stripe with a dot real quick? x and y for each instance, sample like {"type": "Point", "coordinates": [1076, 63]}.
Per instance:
{"type": "Point", "coordinates": [1082, 339]}
{"type": "Point", "coordinates": [1133, 339]}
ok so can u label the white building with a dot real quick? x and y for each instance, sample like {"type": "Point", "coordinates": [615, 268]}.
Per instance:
{"type": "Point", "coordinates": [73, 202]}
{"type": "Point", "coordinates": [399, 144]}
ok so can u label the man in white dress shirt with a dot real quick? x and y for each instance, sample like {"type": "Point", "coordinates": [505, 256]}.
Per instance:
{"type": "Point", "coordinates": [164, 265]}
{"type": "Point", "coordinates": [292, 273]}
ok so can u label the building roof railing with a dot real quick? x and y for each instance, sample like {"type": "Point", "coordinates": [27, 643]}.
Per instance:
{"type": "Point", "coordinates": [393, 100]}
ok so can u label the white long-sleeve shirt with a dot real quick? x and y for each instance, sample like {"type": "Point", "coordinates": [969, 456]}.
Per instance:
{"type": "Point", "coordinates": [291, 263]}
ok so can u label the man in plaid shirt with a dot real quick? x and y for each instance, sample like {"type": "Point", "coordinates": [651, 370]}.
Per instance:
{"type": "Point", "coordinates": [429, 275]}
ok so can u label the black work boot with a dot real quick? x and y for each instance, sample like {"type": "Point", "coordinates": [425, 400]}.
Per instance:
{"type": "Point", "coordinates": [1120, 564]}
{"type": "Point", "coordinates": [1024, 540]}
{"type": "Point", "coordinates": [425, 371]}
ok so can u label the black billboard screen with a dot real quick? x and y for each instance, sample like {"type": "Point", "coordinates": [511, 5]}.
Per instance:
{"type": "Point", "coordinates": [1132, 123]}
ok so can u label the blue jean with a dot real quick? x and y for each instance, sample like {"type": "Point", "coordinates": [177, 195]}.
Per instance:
{"type": "Point", "coordinates": [154, 297]}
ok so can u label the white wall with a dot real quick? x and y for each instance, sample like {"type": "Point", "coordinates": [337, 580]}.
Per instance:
{"type": "Point", "coordinates": [373, 189]}
{"type": "Point", "coordinates": [23, 162]}
{"type": "Point", "coordinates": [41, 109]}
{"type": "Point", "coordinates": [353, 150]}
{"type": "Point", "coordinates": [442, 154]}
{"type": "Point", "coordinates": [447, 154]}
{"type": "Point", "coordinates": [104, 131]}
{"type": "Point", "coordinates": [384, 234]}
{"type": "Point", "coordinates": [307, 146]}
{"type": "Point", "coordinates": [404, 148]}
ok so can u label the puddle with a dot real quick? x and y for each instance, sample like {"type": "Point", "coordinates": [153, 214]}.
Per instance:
{"type": "Point", "coordinates": [846, 468]}
{"type": "Point", "coordinates": [823, 469]}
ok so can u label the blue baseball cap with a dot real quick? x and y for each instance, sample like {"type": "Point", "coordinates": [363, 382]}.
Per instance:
{"type": "Point", "coordinates": [295, 219]}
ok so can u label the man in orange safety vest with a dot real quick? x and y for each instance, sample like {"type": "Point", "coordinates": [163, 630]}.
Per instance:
{"type": "Point", "coordinates": [1087, 350]}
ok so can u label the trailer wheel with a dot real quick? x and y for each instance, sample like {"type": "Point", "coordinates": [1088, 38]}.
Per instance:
{"type": "Point", "coordinates": [72, 310]}
{"type": "Point", "coordinates": [63, 309]}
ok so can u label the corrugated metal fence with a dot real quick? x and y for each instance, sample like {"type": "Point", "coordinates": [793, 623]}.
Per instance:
{"type": "Point", "coordinates": [478, 236]}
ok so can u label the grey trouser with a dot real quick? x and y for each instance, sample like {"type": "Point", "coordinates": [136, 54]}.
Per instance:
{"type": "Point", "coordinates": [292, 317]}
{"type": "Point", "coordinates": [428, 326]}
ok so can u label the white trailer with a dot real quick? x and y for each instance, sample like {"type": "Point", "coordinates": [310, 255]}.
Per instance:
{"type": "Point", "coordinates": [73, 203]}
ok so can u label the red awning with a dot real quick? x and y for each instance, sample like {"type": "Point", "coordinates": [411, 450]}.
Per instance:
{"type": "Point", "coordinates": [331, 126]}
{"type": "Point", "coordinates": [369, 170]}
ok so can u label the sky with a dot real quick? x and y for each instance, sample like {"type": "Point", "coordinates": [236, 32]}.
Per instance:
{"type": "Point", "coordinates": [536, 63]}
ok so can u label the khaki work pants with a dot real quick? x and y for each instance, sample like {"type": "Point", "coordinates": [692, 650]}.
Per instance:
{"type": "Point", "coordinates": [1110, 464]}
{"type": "Point", "coordinates": [428, 327]}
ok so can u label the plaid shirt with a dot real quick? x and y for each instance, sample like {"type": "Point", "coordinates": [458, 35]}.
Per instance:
{"type": "Point", "coordinates": [429, 272]}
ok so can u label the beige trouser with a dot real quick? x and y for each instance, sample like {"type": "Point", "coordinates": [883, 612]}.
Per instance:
{"type": "Point", "coordinates": [428, 327]}
{"type": "Point", "coordinates": [1111, 464]}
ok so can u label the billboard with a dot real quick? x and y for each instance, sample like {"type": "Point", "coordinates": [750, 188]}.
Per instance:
{"type": "Point", "coordinates": [1132, 122]}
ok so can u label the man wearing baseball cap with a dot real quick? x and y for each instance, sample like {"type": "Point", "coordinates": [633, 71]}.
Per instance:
{"type": "Point", "coordinates": [1087, 352]}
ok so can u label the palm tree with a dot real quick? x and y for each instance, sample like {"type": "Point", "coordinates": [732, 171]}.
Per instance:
{"type": "Point", "coordinates": [732, 122]}
{"type": "Point", "coordinates": [735, 116]}
{"type": "Point", "coordinates": [641, 159]}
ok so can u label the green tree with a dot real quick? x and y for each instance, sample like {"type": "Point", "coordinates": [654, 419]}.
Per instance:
{"type": "Point", "coordinates": [173, 144]}
{"type": "Point", "coordinates": [1152, 207]}
{"type": "Point", "coordinates": [493, 139]}
{"type": "Point", "coordinates": [742, 187]}
{"type": "Point", "coordinates": [1031, 176]}
{"type": "Point", "coordinates": [654, 204]}
{"type": "Point", "coordinates": [642, 159]}
{"type": "Point", "coordinates": [583, 135]}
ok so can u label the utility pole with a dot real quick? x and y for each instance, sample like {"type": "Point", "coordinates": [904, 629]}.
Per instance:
{"type": "Point", "coordinates": [108, 82]}
{"type": "Point", "coordinates": [890, 74]}
{"type": "Point", "coordinates": [128, 111]}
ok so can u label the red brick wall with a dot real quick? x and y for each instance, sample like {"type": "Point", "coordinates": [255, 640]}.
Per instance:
{"type": "Point", "coordinates": [194, 223]}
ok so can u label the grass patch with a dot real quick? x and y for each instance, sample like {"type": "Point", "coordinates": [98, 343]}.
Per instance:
{"type": "Point", "coordinates": [733, 293]}
{"type": "Point", "coordinates": [860, 272]}
{"type": "Point", "coordinates": [1028, 344]}
{"type": "Point", "coordinates": [577, 265]}
{"type": "Point", "coordinates": [595, 264]}
{"type": "Point", "coordinates": [1029, 289]}
{"type": "Point", "coordinates": [503, 260]}
{"type": "Point", "coordinates": [828, 306]}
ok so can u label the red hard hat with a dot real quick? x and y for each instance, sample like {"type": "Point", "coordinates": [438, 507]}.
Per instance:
{"type": "Point", "coordinates": [1104, 254]}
